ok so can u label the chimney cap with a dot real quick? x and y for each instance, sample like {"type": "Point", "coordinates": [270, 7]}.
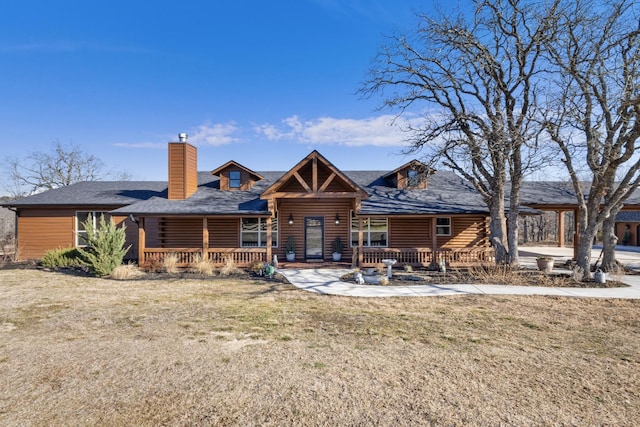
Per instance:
{"type": "Point", "coordinates": [182, 137]}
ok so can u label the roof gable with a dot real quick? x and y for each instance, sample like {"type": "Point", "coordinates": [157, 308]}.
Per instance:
{"type": "Point", "coordinates": [314, 175]}
{"type": "Point", "coordinates": [233, 164]}
{"type": "Point", "coordinates": [244, 179]}
{"type": "Point", "coordinates": [402, 177]}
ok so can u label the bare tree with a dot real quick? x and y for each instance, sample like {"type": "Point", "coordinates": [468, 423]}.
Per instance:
{"type": "Point", "coordinates": [593, 113]}
{"type": "Point", "coordinates": [478, 76]}
{"type": "Point", "coordinates": [62, 166]}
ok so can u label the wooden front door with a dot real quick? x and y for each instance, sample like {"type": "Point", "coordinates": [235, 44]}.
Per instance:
{"type": "Point", "coordinates": [314, 237]}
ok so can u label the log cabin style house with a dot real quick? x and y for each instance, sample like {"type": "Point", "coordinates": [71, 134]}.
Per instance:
{"type": "Point", "coordinates": [414, 215]}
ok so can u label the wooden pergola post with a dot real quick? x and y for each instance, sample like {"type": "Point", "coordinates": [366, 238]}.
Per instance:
{"type": "Point", "coordinates": [561, 229]}
{"type": "Point", "coordinates": [576, 234]}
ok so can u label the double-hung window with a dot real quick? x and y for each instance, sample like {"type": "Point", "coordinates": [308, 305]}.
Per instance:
{"type": "Point", "coordinates": [253, 232]}
{"type": "Point", "coordinates": [234, 179]}
{"type": "Point", "coordinates": [374, 231]}
{"type": "Point", "coordinates": [81, 219]}
{"type": "Point", "coordinates": [443, 226]}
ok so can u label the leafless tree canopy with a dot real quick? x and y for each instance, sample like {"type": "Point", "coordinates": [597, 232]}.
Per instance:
{"type": "Point", "coordinates": [46, 170]}
{"type": "Point", "coordinates": [592, 111]}
{"type": "Point", "coordinates": [474, 80]}
{"type": "Point", "coordinates": [495, 86]}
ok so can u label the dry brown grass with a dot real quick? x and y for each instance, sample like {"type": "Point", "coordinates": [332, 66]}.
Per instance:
{"type": "Point", "coordinates": [87, 351]}
{"type": "Point", "coordinates": [126, 272]}
{"type": "Point", "coordinates": [229, 268]}
{"type": "Point", "coordinates": [170, 263]}
{"type": "Point", "coordinates": [201, 265]}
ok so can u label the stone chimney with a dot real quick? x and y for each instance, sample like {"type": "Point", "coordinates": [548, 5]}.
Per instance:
{"type": "Point", "coordinates": [183, 169]}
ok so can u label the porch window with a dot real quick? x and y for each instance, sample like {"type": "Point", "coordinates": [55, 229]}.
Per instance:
{"type": "Point", "coordinates": [374, 231]}
{"type": "Point", "coordinates": [81, 218]}
{"type": "Point", "coordinates": [234, 179]}
{"type": "Point", "coordinates": [253, 232]}
{"type": "Point", "coordinates": [443, 226]}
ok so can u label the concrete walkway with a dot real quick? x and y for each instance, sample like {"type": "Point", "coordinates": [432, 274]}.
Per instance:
{"type": "Point", "coordinates": [327, 281]}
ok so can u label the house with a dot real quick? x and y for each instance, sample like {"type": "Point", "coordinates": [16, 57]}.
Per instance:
{"type": "Point", "coordinates": [411, 214]}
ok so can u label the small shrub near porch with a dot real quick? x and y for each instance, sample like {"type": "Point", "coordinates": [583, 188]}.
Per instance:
{"type": "Point", "coordinates": [105, 246]}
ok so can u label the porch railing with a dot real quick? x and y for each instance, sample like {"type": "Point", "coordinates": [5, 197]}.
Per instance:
{"type": "Point", "coordinates": [424, 257]}
{"type": "Point", "coordinates": [371, 257]}
{"type": "Point", "coordinates": [241, 257]}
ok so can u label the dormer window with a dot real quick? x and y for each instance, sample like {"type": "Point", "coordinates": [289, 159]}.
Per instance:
{"type": "Point", "coordinates": [412, 178]}
{"type": "Point", "coordinates": [234, 179]}
{"type": "Point", "coordinates": [234, 176]}
{"type": "Point", "coordinates": [410, 175]}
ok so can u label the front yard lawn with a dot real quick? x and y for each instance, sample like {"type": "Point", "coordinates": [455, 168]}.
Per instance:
{"type": "Point", "coordinates": [85, 351]}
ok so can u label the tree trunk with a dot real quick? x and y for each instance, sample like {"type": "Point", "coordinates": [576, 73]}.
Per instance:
{"type": "Point", "coordinates": [498, 230]}
{"type": "Point", "coordinates": [587, 231]}
{"type": "Point", "coordinates": [609, 241]}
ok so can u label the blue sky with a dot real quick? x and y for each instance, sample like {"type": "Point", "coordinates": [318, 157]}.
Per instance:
{"type": "Point", "coordinates": [259, 82]}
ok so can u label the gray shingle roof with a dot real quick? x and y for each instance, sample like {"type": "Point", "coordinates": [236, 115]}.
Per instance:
{"type": "Point", "coordinates": [446, 193]}
{"type": "Point", "coordinates": [95, 193]}
{"type": "Point", "coordinates": [628, 216]}
{"type": "Point", "coordinates": [547, 193]}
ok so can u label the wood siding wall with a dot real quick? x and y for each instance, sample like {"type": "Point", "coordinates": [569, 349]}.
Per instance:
{"type": "Point", "coordinates": [410, 232]}
{"type": "Point", "coordinates": [187, 232]}
{"type": "Point", "coordinates": [224, 232]}
{"type": "Point", "coordinates": [466, 232]}
{"type": "Point", "coordinates": [180, 232]}
{"type": "Point", "coordinates": [43, 229]}
{"type": "Point", "coordinates": [326, 208]}
{"type": "Point", "coordinates": [40, 230]}
{"type": "Point", "coordinates": [183, 170]}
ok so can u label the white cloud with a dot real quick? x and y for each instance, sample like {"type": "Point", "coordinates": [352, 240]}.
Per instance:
{"type": "Point", "coordinates": [374, 131]}
{"type": "Point", "coordinates": [214, 134]}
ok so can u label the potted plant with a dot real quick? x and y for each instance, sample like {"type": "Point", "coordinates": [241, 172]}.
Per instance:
{"type": "Point", "coordinates": [338, 246]}
{"type": "Point", "coordinates": [291, 249]}
{"type": "Point", "coordinates": [545, 263]}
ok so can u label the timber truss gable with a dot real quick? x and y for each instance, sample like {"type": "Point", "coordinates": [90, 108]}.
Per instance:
{"type": "Point", "coordinates": [314, 177]}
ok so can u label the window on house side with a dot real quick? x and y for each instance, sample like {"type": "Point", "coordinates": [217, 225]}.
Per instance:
{"type": "Point", "coordinates": [443, 226]}
{"type": "Point", "coordinates": [374, 232]}
{"type": "Point", "coordinates": [234, 179]}
{"type": "Point", "coordinates": [81, 218]}
{"type": "Point", "coordinates": [253, 232]}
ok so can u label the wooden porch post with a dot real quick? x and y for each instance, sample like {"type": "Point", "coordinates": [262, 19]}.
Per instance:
{"type": "Point", "coordinates": [360, 242]}
{"type": "Point", "coordinates": [205, 237]}
{"type": "Point", "coordinates": [271, 207]}
{"type": "Point", "coordinates": [142, 240]}
{"type": "Point", "coordinates": [561, 229]}
{"type": "Point", "coordinates": [269, 240]}
{"type": "Point", "coordinates": [434, 240]}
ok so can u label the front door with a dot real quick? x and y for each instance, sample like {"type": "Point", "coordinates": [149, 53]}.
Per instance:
{"type": "Point", "coordinates": [313, 238]}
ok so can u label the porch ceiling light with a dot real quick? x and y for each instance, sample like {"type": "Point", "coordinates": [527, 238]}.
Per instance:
{"type": "Point", "coordinates": [337, 219]}
{"type": "Point", "coordinates": [290, 219]}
